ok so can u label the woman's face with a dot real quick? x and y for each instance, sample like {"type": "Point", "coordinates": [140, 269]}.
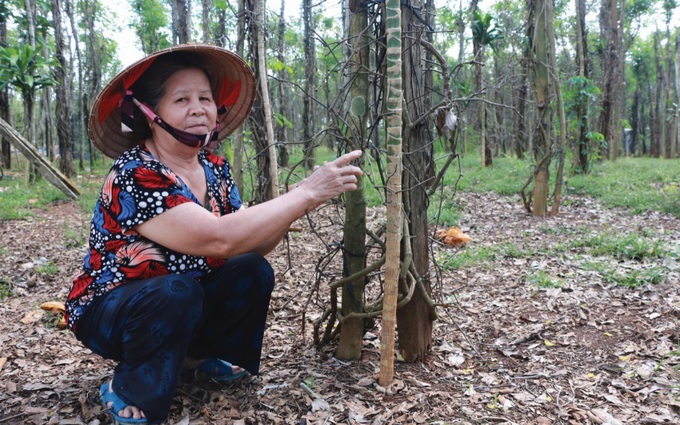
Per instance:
{"type": "Point", "coordinates": [187, 103]}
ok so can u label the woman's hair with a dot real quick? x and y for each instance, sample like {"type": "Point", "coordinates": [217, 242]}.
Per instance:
{"type": "Point", "coordinates": [150, 86]}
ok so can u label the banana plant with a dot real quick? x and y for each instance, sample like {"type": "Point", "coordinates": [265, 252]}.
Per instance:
{"type": "Point", "coordinates": [25, 68]}
{"type": "Point", "coordinates": [482, 31]}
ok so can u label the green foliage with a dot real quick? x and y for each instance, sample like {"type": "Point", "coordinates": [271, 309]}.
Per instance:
{"type": "Point", "coordinates": [25, 68]}
{"type": "Point", "coordinates": [482, 255]}
{"type": "Point", "coordinates": [506, 177]}
{"type": "Point", "coordinates": [74, 238]}
{"type": "Point", "coordinates": [622, 247]}
{"type": "Point", "coordinates": [150, 24]}
{"type": "Point", "coordinates": [632, 278]}
{"type": "Point", "coordinates": [5, 288]}
{"type": "Point", "coordinates": [277, 66]}
{"type": "Point", "coordinates": [543, 280]}
{"type": "Point", "coordinates": [637, 184]}
{"type": "Point", "coordinates": [47, 268]}
{"type": "Point", "coordinates": [18, 200]}
{"type": "Point", "coordinates": [483, 31]}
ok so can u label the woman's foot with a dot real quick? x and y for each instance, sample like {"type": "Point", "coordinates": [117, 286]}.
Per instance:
{"type": "Point", "coordinates": [121, 412]}
{"type": "Point", "coordinates": [213, 368]}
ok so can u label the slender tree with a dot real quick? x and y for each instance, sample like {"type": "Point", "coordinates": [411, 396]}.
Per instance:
{"type": "Point", "coordinates": [283, 120]}
{"type": "Point", "coordinates": [90, 10]}
{"type": "Point", "coordinates": [612, 74]}
{"type": "Point", "coordinates": [414, 319]}
{"type": "Point", "coordinates": [64, 100]}
{"type": "Point", "coordinates": [266, 102]}
{"type": "Point", "coordinates": [79, 139]}
{"type": "Point", "coordinates": [582, 146]}
{"type": "Point", "coordinates": [543, 145]}
{"type": "Point", "coordinates": [6, 157]}
{"type": "Point", "coordinates": [237, 147]}
{"type": "Point", "coordinates": [205, 21]}
{"type": "Point", "coordinates": [395, 221]}
{"type": "Point", "coordinates": [310, 85]}
{"type": "Point", "coordinates": [148, 22]}
{"type": "Point", "coordinates": [181, 21]}
{"type": "Point", "coordinates": [483, 35]}
{"type": "Point", "coordinates": [354, 232]}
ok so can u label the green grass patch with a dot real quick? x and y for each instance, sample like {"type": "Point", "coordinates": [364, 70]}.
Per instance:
{"type": "Point", "coordinates": [485, 255]}
{"type": "Point", "coordinates": [5, 288]}
{"type": "Point", "coordinates": [621, 247]}
{"type": "Point", "coordinates": [637, 184]}
{"type": "Point", "coordinates": [505, 177]}
{"type": "Point", "coordinates": [47, 268]}
{"type": "Point", "coordinates": [18, 199]}
{"type": "Point", "coordinates": [74, 239]}
{"type": "Point", "coordinates": [628, 277]}
{"type": "Point", "coordinates": [543, 280]}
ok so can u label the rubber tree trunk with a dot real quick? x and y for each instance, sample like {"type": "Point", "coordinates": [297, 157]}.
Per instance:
{"type": "Point", "coordinates": [555, 73]}
{"type": "Point", "coordinates": [266, 101]}
{"type": "Point", "coordinates": [310, 86]}
{"type": "Point", "coordinates": [582, 147]}
{"type": "Point", "coordinates": [65, 139]}
{"type": "Point", "coordinates": [282, 127]}
{"type": "Point", "coordinates": [6, 159]}
{"type": "Point", "coordinates": [354, 237]}
{"type": "Point", "coordinates": [542, 147]}
{"type": "Point", "coordinates": [414, 320]}
{"type": "Point", "coordinates": [237, 147]}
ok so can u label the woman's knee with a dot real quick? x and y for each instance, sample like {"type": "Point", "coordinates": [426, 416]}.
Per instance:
{"type": "Point", "coordinates": [176, 295]}
{"type": "Point", "coordinates": [261, 271]}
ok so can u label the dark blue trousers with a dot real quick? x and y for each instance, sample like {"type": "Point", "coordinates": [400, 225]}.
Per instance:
{"type": "Point", "coordinates": [150, 326]}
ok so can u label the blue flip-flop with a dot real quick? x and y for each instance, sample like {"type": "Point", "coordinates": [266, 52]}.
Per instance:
{"type": "Point", "coordinates": [107, 396]}
{"type": "Point", "coordinates": [217, 370]}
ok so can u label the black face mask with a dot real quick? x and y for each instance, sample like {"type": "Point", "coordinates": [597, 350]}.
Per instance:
{"type": "Point", "coordinates": [208, 141]}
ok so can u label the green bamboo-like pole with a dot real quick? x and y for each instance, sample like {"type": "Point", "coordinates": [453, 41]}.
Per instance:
{"type": "Point", "coordinates": [394, 171]}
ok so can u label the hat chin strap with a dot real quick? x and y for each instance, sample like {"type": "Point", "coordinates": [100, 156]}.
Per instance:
{"type": "Point", "coordinates": [208, 141]}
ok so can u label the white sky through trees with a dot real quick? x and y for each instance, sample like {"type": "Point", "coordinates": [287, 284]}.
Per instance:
{"type": "Point", "coordinates": [129, 52]}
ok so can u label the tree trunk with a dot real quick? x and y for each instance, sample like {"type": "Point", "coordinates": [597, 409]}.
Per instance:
{"type": "Point", "coordinates": [611, 76]}
{"type": "Point", "coordinates": [543, 144]}
{"type": "Point", "coordinates": [582, 145]}
{"type": "Point", "coordinates": [181, 21]}
{"type": "Point", "coordinates": [30, 18]}
{"type": "Point", "coordinates": [520, 138]}
{"type": "Point", "coordinates": [63, 96]}
{"type": "Point", "coordinates": [394, 126]}
{"type": "Point", "coordinates": [205, 21]}
{"type": "Point", "coordinates": [658, 115]}
{"type": "Point", "coordinates": [308, 122]}
{"type": "Point", "coordinates": [668, 82]}
{"type": "Point", "coordinates": [6, 157]}
{"type": "Point", "coordinates": [264, 188]}
{"type": "Point", "coordinates": [80, 138]}
{"type": "Point", "coordinates": [414, 320]}
{"type": "Point", "coordinates": [635, 120]}
{"type": "Point", "coordinates": [237, 151]}
{"type": "Point", "coordinates": [555, 72]}
{"type": "Point", "coordinates": [354, 235]}
{"type": "Point", "coordinates": [266, 102]}
{"type": "Point", "coordinates": [93, 67]}
{"type": "Point", "coordinates": [676, 139]}
{"type": "Point", "coordinates": [282, 125]}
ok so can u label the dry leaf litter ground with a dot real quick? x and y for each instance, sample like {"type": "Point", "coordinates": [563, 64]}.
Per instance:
{"type": "Point", "coordinates": [504, 350]}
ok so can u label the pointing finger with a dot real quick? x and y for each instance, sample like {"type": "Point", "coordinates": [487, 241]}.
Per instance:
{"type": "Point", "coordinates": [347, 158]}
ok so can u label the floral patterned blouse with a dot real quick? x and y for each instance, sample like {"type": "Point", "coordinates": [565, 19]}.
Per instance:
{"type": "Point", "coordinates": [138, 188]}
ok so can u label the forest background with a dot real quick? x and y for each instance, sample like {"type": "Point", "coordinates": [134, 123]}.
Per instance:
{"type": "Point", "coordinates": [541, 93]}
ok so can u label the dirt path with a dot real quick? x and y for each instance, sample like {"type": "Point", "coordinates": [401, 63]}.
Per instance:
{"type": "Point", "coordinates": [505, 349]}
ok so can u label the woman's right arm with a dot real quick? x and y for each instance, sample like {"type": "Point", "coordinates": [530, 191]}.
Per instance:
{"type": "Point", "coordinates": [193, 230]}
